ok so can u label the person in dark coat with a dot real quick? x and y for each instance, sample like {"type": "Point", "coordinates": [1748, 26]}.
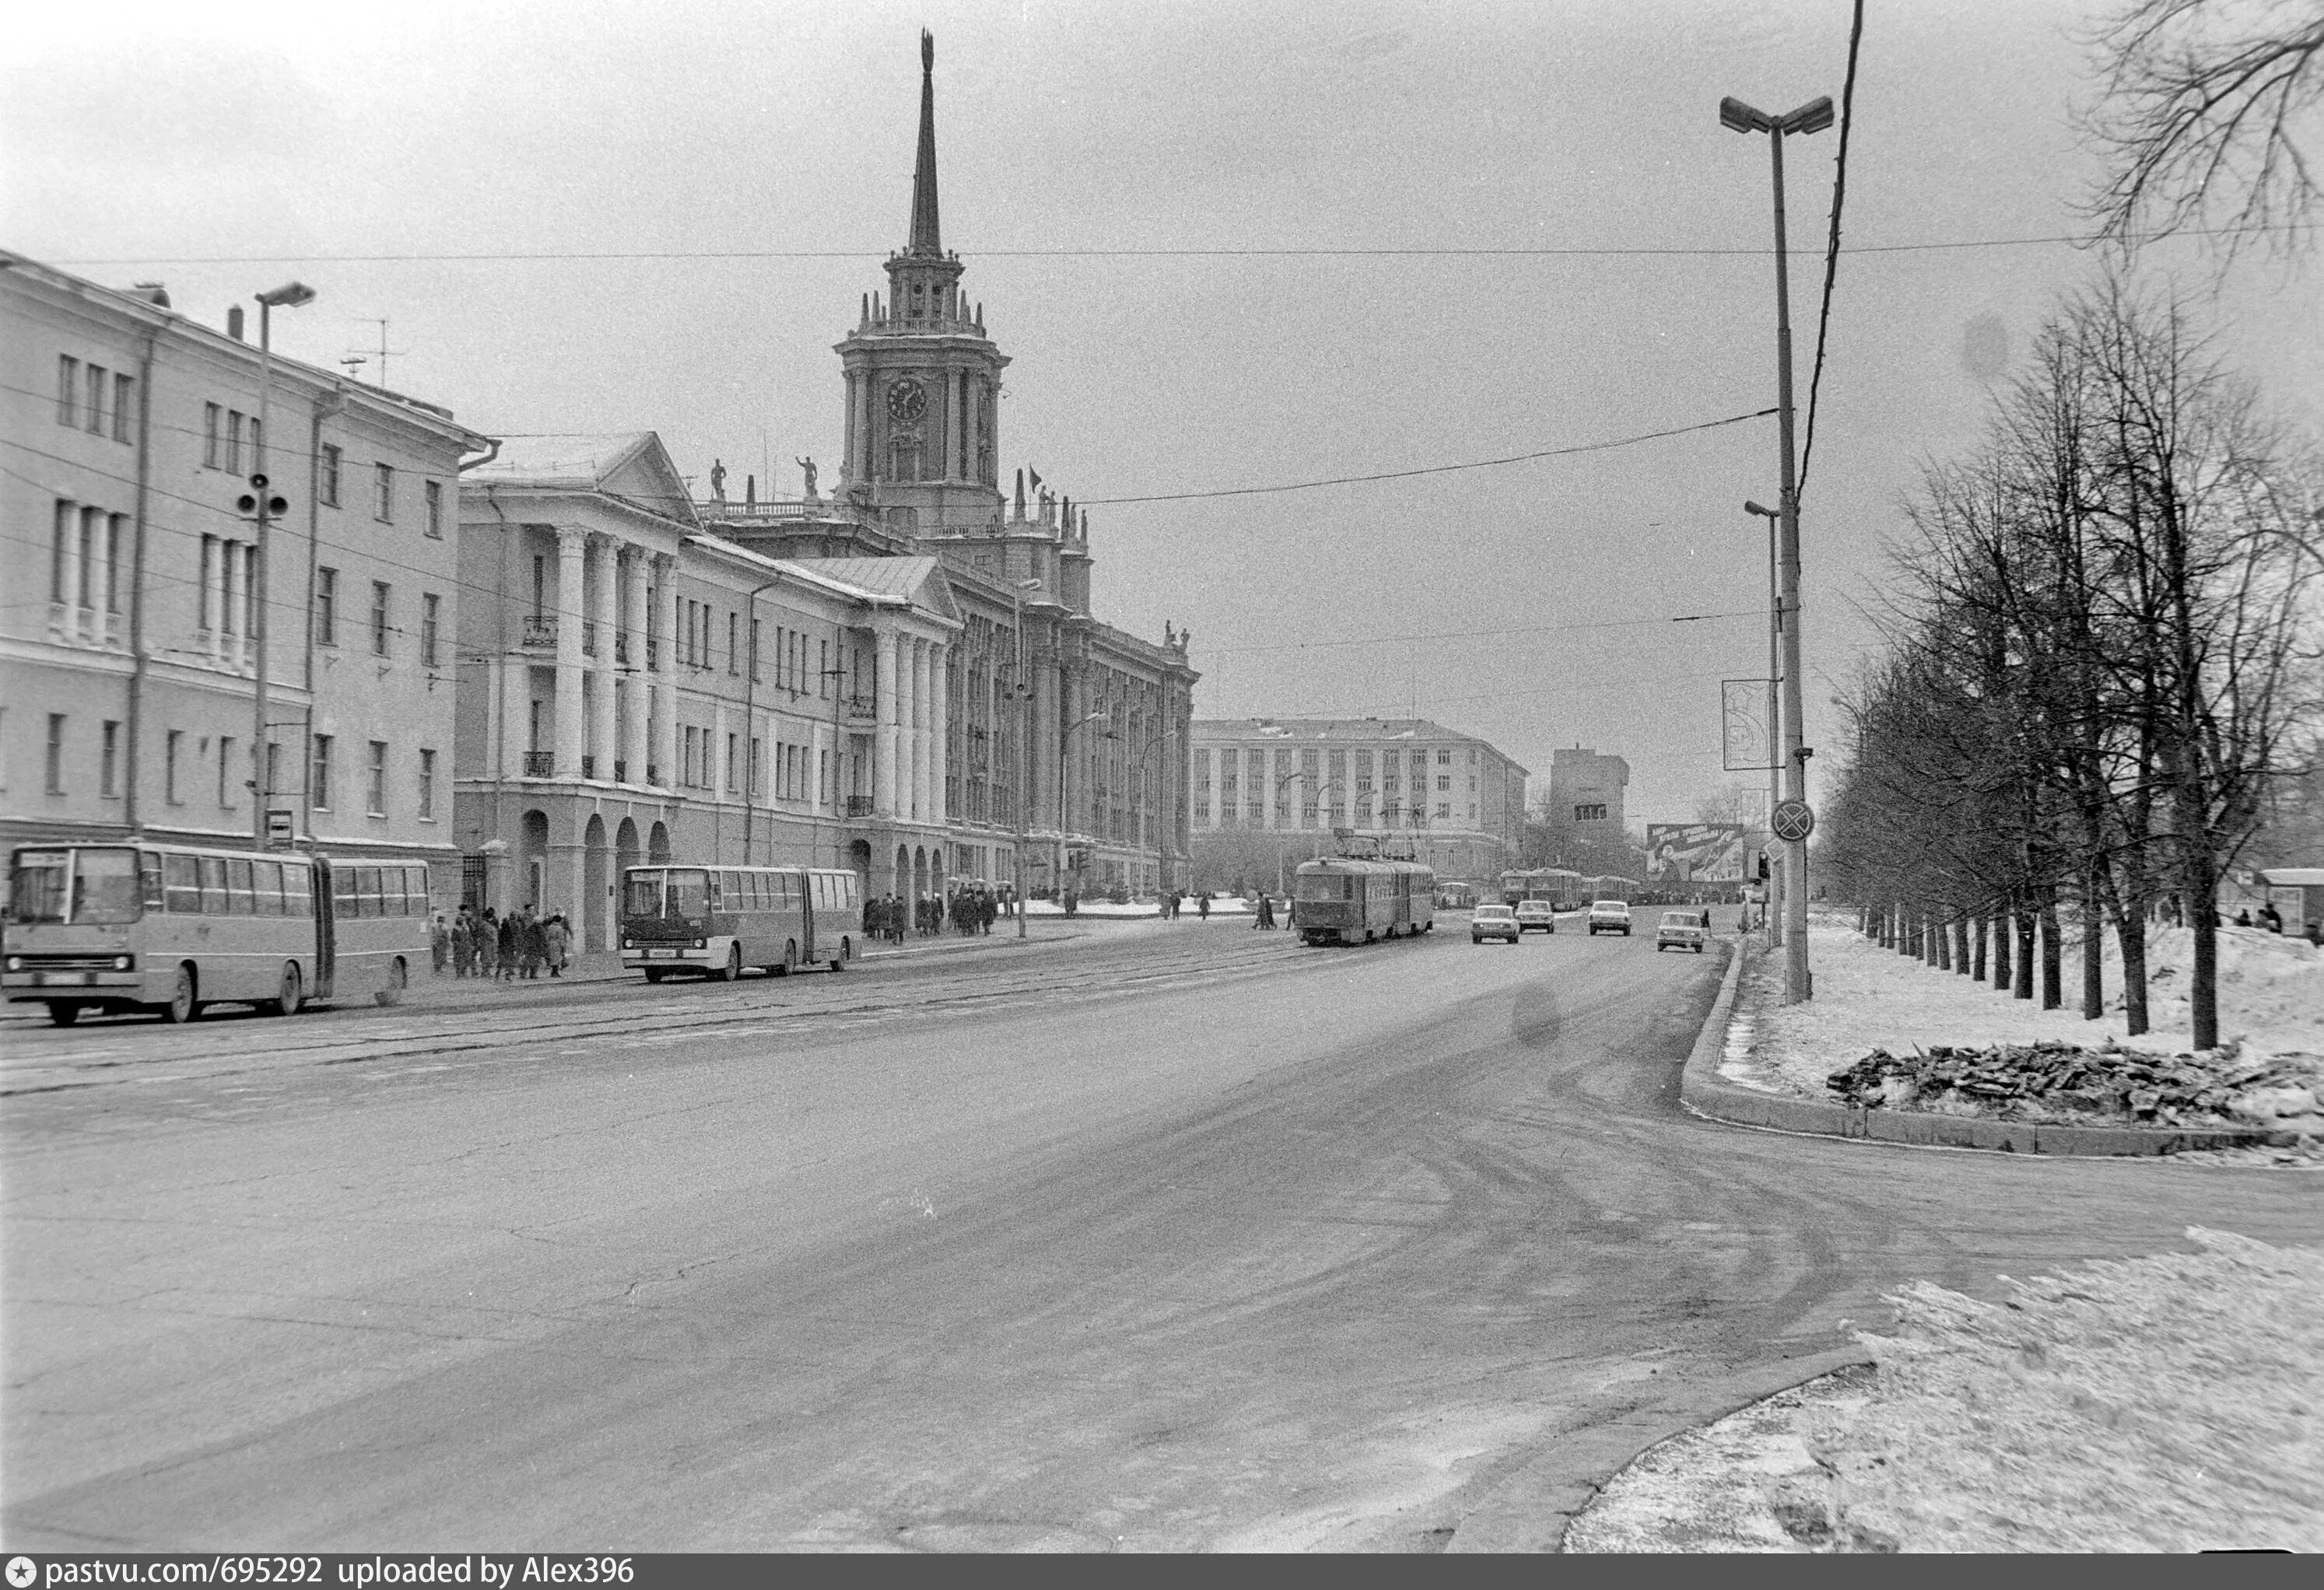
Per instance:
{"type": "Point", "coordinates": [507, 940]}
{"type": "Point", "coordinates": [464, 944]}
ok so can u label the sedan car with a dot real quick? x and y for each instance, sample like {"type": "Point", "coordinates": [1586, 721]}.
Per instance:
{"type": "Point", "coordinates": [1536, 914]}
{"type": "Point", "coordinates": [1494, 922]}
{"type": "Point", "coordinates": [1682, 930]}
{"type": "Point", "coordinates": [1609, 917]}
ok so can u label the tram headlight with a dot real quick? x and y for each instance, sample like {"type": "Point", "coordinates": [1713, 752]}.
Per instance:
{"type": "Point", "coordinates": [125, 963]}
{"type": "Point", "coordinates": [702, 944]}
{"type": "Point", "coordinates": [15, 963]}
{"type": "Point", "coordinates": [629, 944]}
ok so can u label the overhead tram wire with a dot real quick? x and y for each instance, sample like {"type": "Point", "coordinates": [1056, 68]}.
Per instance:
{"type": "Point", "coordinates": [2067, 239]}
{"type": "Point", "coordinates": [1831, 249]}
{"type": "Point", "coordinates": [1690, 618]}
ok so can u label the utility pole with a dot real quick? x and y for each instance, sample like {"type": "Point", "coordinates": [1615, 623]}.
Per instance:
{"type": "Point", "coordinates": [264, 505]}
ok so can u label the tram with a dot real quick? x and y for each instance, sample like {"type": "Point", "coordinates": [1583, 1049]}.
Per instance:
{"type": "Point", "coordinates": [1341, 900]}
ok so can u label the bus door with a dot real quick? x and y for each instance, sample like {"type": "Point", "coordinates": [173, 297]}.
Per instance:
{"type": "Point", "coordinates": [327, 934]}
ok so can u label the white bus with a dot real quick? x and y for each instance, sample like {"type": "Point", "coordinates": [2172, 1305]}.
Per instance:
{"type": "Point", "coordinates": [717, 920]}
{"type": "Point", "coordinates": [110, 928]}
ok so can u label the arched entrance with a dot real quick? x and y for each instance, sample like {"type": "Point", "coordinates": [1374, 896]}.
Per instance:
{"type": "Point", "coordinates": [903, 873]}
{"type": "Point", "coordinates": [532, 858]}
{"type": "Point", "coordinates": [859, 857]}
{"type": "Point", "coordinates": [625, 846]}
{"type": "Point", "coordinates": [921, 872]}
{"type": "Point", "coordinates": [592, 927]}
{"type": "Point", "coordinates": [658, 843]}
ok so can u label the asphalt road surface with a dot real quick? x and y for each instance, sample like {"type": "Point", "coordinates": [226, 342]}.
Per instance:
{"type": "Point", "coordinates": [1171, 1237]}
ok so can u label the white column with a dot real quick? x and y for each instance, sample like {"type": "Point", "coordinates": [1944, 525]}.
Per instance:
{"type": "Point", "coordinates": [632, 712]}
{"type": "Point", "coordinates": [665, 688]}
{"type": "Point", "coordinates": [940, 733]}
{"type": "Point", "coordinates": [100, 574]}
{"type": "Point", "coordinates": [605, 553]}
{"type": "Point", "coordinates": [917, 722]}
{"type": "Point", "coordinates": [572, 550]}
{"type": "Point", "coordinates": [883, 740]}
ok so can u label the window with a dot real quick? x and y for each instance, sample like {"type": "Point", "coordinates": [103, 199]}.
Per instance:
{"type": "Point", "coordinates": [273, 767]}
{"type": "Point", "coordinates": [125, 398]}
{"type": "Point", "coordinates": [1444, 808]}
{"type": "Point", "coordinates": [234, 441]}
{"type": "Point", "coordinates": [330, 477]}
{"type": "Point", "coordinates": [226, 772]}
{"type": "Point", "coordinates": [733, 651]}
{"type": "Point", "coordinates": [327, 607]}
{"type": "Point", "coordinates": [379, 618]}
{"type": "Point", "coordinates": [1445, 784]}
{"type": "Point", "coordinates": [318, 775]}
{"type": "Point", "coordinates": [382, 494]}
{"type": "Point", "coordinates": [93, 420]}
{"type": "Point", "coordinates": [755, 628]}
{"type": "Point", "coordinates": [823, 666]}
{"type": "Point", "coordinates": [432, 494]}
{"type": "Point", "coordinates": [430, 605]}
{"type": "Point", "coordinates": [211, 416]}
{"type": "Point", "coordinates": [731, 764]}
{"type": "Point", "coordinates": [108, 759]}
{"type": "Point", "coordinates": [1590, 813]}
{"type": "Point", "coordinates": [1443, 760]}
{"type": "Point", "coordinates": [56, 785]}
{"type": "Point", "coordinates": [68, 389]}
{"type": "Point", "coordinates": [375, 784]}
{"type": "Point", "coordinates": [172, 746]}
{"type": "Point", "coordinates": [426, 786]}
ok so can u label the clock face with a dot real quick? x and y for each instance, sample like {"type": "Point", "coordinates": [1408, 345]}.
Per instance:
{"type": "Point", "coordinates": [907, 401]}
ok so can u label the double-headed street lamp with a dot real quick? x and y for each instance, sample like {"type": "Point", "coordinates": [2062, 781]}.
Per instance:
{"type": "Point", "coordinates": [1812, 117]}
{"type": "Point", "coordinates": [263, 503]}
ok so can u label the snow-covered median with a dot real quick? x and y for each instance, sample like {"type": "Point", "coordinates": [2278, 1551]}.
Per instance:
{"type": "Point", "coordinates": [1868, 998]}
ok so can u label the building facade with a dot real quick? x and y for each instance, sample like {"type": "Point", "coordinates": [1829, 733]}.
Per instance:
{"type": "Point", "coordinates": [1065, 739]}
{"type": "Point", "coordinates": [1586, 790]}
{"type": "Point", "coordinates": [151, 597]}
{"type": "Point", "coordinates": [1258, 786]}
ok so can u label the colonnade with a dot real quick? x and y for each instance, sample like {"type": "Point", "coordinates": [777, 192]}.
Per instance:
{"type": "Point", "coordinates": [908, 750]}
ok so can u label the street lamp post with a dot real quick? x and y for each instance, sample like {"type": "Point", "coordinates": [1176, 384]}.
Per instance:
{"type": "Point", "coordinates": [1812, 117]}
{"type": "Point", "coordinates": [262, 500]}
{"type": "Point", "coordinates": [1772, 908]}
{"type": "Point", "coordinates": [751, 722]}
{"type": "Point", "coordinates": [1021, 687]}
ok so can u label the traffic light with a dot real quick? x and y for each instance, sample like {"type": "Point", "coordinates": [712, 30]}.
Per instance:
{"type": "Point", "coordinates": [1762, 866]}
{"type": "Point", "coordinates": [249, 504]}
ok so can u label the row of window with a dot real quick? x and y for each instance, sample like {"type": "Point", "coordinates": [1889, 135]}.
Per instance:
{"type": "Point", "coordinates": [85, 545]}
{"type": "Point", "coordinates": [794, 767]}
{"type": "Point", "coordinates": [1254, 812]}
{"type": "Point", "coordinates": [381, 625]}
{"type": "Point", "coordinates": [231, 776]}
{"type": "Point", "coordinates": [223, 433]}
{"type": "Point", "coordinates": [91, 398]}
{"type": "Point", "coordinates": [234, 886]}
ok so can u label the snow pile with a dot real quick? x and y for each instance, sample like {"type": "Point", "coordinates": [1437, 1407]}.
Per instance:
{"type": "Point", "coordinates": [2168, 1404]}
{"type": "Point", "coordinates": [2063, 1082]}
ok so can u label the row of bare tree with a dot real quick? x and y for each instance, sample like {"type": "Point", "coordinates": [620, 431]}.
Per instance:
{"type": "Point", "coordinates": [2105, 648]}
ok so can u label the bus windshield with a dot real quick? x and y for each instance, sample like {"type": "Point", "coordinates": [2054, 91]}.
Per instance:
{"type": "Point", "coordinates": [1326, 886]}
{"type": "Point", "coordinates": [673, 891]}
{"type": "Point", "coordinates": [85, 887]}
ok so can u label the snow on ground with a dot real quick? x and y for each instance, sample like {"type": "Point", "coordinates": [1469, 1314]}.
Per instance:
{"type": "Point", "coordinates": [2271, 1001]}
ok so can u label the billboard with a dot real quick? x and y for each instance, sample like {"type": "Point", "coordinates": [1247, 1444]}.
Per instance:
{"type": "Point", "coordinates": [1695, 852]}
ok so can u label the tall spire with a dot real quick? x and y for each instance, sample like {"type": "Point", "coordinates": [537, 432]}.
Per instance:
{"type": "Point", "coordinates": [925, 238]}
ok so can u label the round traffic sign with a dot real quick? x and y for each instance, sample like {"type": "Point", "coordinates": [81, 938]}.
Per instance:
{"type": "Point", "coordinates": [1792, 822]}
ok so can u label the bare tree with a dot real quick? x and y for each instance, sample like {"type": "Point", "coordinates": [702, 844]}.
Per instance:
{"type": "Point", "coordinates": [2202, 107]}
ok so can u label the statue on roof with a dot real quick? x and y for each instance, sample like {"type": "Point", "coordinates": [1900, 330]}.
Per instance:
{"type": "Point", "coordinates": [807, 467]}
{"type": "Point", "coordinates": [717, 480]}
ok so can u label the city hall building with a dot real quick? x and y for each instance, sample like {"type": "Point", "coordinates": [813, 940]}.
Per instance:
{"type": "Point", "coordinates": [1306, 787]}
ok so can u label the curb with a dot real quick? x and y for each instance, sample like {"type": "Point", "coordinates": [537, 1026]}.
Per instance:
{"type": "Point", "coordinates": [1707, 1094]}
{"type": "Point", "coordinates": [1530, 1510]}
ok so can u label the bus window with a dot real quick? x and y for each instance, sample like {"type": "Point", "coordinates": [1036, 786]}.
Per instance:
{"type": "Point", "coordinates": [238, 902]}
{"type": "Point", "coordinates": [642, 893]}
{"type": "Point", "coordinates": [298, 894]}
{"type": "Point", "coordinates": [366, 890]}
{"type": "Point", "coordinates": [688, 895]}
{"type": "Point", "coordinates": [180, 887]}
{"type": "Point", "coordinates": [415, 890]}
{"type": "Point", "coordinates": [149, 866]}
{"type": "Point", "coordinates": [212, 870]}
{"type": "Point", "coordinates": [390, 891]}
{"type": "Point", "coordinates": [266, 887]}
{"type": "Point", "coordinates": [37, 886]}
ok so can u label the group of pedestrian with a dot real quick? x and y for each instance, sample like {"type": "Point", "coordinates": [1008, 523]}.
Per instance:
{"type": "Point", "coordinates": [1262, 918]}
{"type": "Point", "coordinates": [518, 945]}
{"type": "Point", "coordinates": [2272, 920]}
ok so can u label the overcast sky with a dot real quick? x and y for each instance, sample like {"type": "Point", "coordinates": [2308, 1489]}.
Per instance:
{"type": "Point", "coordinates": [475, 174]}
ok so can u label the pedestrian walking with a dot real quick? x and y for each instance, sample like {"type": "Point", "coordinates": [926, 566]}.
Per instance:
{"type": "Point", "coordinates": [439, 943]}
{"type": "Point", "coordinates": [1202, 904]}
{"type": "Point", "coordinates": [556, 939]}
{"type": "Point", "coordinates": [533, 948]}
{"type": "Point", "coordinates": [464, 944]}
{"type": "Point", "coordinates": [504, 946]}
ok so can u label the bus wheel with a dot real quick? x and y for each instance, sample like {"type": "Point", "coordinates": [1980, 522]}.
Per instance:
{"type": "Point", "coordinates": [182, 1004]}
{"type": "Point", "coordinates": [733, 967]}
{"type": "Point", "coordinates": [397, 977]}
{"type": "Point", "coordinates": [294, 994]}
{"type": "Point", "coordinates": [63, 1014]}
{"type": "Point", "coordinates": [846, 953]}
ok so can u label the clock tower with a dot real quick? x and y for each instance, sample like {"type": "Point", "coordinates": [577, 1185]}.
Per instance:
{"type": "Point", "coordinates": [923, 380]}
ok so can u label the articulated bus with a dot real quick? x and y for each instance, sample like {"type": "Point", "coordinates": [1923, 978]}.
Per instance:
{"type": "Point", "coordinates": [714, 921]}
{"type": "Point", "coordinates": [1561, 887]}
{"type": "Point", "coordinates": [110, 928]}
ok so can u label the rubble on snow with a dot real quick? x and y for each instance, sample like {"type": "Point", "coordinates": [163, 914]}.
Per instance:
{"type": "Point", "coordinates": [2050, 1081]}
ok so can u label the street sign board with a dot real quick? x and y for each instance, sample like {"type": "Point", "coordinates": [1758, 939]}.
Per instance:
{"type": "Point", "coordinates": [278, 825]}
{"type": "Point", "coordinates": [1792, 822]}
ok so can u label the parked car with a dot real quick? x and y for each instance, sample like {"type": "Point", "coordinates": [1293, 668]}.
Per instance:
{"type": "Point", "coordinates": [1682, 930]}
{"type": "Point", "coordinates": [1536, 914]}
{"type": "Point", "coordinates": [1494, 922]}
{"type": "Point", "coordinates": [1609, 917]}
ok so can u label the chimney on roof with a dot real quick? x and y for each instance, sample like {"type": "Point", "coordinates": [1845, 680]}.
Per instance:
{"type": "Point", "coordinates": [233, 321]}
{"type": "Point", "coordinates": [152, 292]}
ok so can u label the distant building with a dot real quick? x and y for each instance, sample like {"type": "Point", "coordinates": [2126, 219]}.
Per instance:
{"type": "Point", "coordinates": [131, 636]}
{"type": "Point", "coordinates": [1452, 800]}
{"type": "Point", "coordinates": [1585, 790]}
